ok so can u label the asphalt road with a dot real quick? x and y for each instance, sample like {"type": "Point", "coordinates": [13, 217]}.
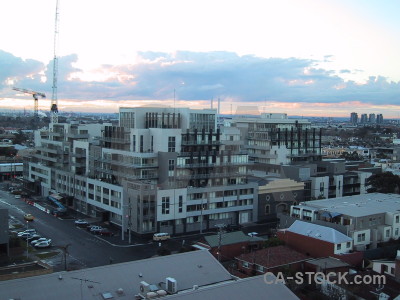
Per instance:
{"type": "Point", "coordinates": [84, 249]}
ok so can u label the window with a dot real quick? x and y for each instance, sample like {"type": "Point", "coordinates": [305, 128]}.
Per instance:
{"type": "Point", "coordinates": [165, 205]}
{"type": "Point", "coordinates": [134, 143]}
{"type": "Point", "coordinates": [141, 143]}
{"type": "Point", "coordinates": [361, 237]}
{"type": "Point", "coordinates": [180, 204]}
{"type": "Point", "coordinates": [396, 231]}
{"type": "Point", "coordinates": [267, 209]}
{"type": "Point", "coordinates": [171, 144]}
{"type": "Point", "coordinates": [338, 246]}
{"type": "Point", "coordinates": [152, 144]}
{"type": "Point", "coordinates": [397, 219]}
{"type": "Point", "coordinates": [245, 264]}
{"type": "Point", "coordinates": [260, 269]}
{"type": "Point", "coordinates": [171, 165]}
{"type": "Point", "coordinates": [348, 245]}
{"type": "Point", "coordinates": [321, 186]}
{"type": "Point", "coordinates": [387, 233]}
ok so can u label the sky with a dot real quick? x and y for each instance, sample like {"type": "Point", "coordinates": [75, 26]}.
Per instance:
{"type": "Point", "coordinates": [300, 57]}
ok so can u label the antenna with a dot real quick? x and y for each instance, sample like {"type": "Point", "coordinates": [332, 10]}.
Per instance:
{"type": "Point", "coordinates": [84, 280]}
{"type": "Point", "coordinates": [54, 98]}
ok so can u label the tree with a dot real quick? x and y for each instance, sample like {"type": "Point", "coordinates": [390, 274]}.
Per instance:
{"type": "Point", "coordinates": [386, 183]}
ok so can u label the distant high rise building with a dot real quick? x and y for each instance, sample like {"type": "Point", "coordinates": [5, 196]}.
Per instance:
{"type": "Point", "coordinates": [364, 118]}
{"type": "Point", "coordinates": [372, 118]}
{"type": "Point", "coordinates": [353, 118]}
{"type": "Point", "coordinates": [379, 119]}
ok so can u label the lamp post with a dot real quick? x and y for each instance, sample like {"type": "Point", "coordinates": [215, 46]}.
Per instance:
{"type": "Point", "coordinates": [27, 242]}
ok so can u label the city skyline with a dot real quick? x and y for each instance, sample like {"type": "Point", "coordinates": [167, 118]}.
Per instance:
{"type": "Point", "coordinates": [310, 58]}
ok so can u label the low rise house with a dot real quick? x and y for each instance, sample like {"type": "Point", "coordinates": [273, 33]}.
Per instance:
{"type": "Point", "coordinates": [227, 245]}
{"type": "Point", "coordinates": [271, 259]}
{"type": "Point", "coordinates": [319, 241]}
{"type": "Point", "coordinates": [367, 219]}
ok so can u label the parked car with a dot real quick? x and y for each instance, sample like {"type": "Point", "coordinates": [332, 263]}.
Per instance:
{"type": "Point", "coordinates": [43, 244]}
{"type": "Point", "coordinates": [81, 223]}
{"type": "Point", "coordinates": [34, 243]}
{"type": "Point", "coordinates": [162, 236]}
{"type": "Point", "coordinates": [28, 231]}
{"type": "Point", "coordinates": [252, 234]}
{"type": "Point", "coordinates": [105, 232]}
{"type": "Point", "coordinates": [95, 229]}
{"type": "Point", "coordinates": [29, 217]}
{"type": "Point", "coordinates": [40, 239]}
{"type": "Point", "coordinates": [33, 237]}
{"type": "Point", "coordinates": [25, 235]}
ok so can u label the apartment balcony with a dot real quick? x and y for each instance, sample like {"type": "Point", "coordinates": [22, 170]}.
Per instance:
{"type": "Point", "coordinates": [125, 175]}
{"type": "Point", "coordinates": [210, 153]}
{"type": "Point", "coordinates": [200, 143]}
{"type": "Point", "coordinates": [126, 164]}
{"type": "Point", "coordinates": [213, 165]}
{"type": "Point", "coordinates": [72, 135]}
{"type": "Point", "coordinates": [114, 140]}
{"type": "Point", "coordinates": [48, 150]}
{"type": "Point", "coordinates": [54, 133]}
{"type": "Point", "coordinates": [47, 158]}
{"type": "Point", "coordinates": [208, 176]}
{"type": "Point", "coordinates": [258, 155]}
{"type": "Point", "coordinates": [78, 155]}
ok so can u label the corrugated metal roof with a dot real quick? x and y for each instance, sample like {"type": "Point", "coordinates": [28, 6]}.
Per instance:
{"type": "Point", "coordinates": [319, 232]}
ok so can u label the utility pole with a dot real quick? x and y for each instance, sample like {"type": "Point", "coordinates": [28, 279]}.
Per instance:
{"type": "Point", "coordinates": [129, 220]}
{"type": "Point", "coordinates": [220, 228]}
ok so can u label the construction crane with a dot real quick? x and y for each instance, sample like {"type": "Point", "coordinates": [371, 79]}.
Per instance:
{"type": "Point", "coordinates": [36, 96]}
{"type": "Point", "coordinates": [54, 97]}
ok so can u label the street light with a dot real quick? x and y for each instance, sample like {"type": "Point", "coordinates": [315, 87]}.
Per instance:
{"type": "Point", "coordinates": [27, 242]}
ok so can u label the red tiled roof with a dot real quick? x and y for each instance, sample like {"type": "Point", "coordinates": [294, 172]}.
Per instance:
{"type": "Point", "coordinates": [273, 256]}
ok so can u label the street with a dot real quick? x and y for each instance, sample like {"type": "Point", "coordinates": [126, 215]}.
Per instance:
{"type": "Point", "coordinates": [84, 250]}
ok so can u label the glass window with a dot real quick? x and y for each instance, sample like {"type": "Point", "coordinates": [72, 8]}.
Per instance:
{"type": "Point", "coordinates": [171, 144]}
{"type": "Point", "coordinates": [165, 205]}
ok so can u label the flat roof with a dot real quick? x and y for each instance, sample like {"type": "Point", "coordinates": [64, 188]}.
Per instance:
{"type": "Point", "coordinates": [256, 287]}
{"type": "Point", "coordinates": [358, 205]}
{"type": "Point", "coordinates": [328, 262]}
{"type": "Point", "coordinates": [188, 269]}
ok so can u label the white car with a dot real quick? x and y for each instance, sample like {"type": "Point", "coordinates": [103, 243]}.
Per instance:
{"type": "Point", "coordinates": [26, 232]}
{"type": "Point", "coordinates": [43, 244]}
{"type": "Point", "coordinates": [252, 234]}
{"type": "Point", "coordinates": [33, 243]}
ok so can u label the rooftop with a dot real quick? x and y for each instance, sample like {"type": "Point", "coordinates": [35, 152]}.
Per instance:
{"type": "Point", "coordinates": [249, 288]}
{"type": "Point", "coordinates": [273, 256]}
{"type": "Point", "coordinates": [323, 233]}
{"type": "Point", "coordinates": [188, 269]}
{"type": "Point", "coordinates": [229, 238]}
{"type": "Point", "coordinates": [328, 263]}
{"type": "Point", "coordinates": [358, 205]}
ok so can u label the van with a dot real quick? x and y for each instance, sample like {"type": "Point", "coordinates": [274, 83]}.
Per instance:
{"type": "Point", "coordinates": [162, 236]}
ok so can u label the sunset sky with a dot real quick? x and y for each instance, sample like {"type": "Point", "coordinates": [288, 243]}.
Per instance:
{"type": "Point", "coordinates": [301, 57]}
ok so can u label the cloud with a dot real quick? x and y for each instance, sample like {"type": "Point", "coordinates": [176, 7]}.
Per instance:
{"type": "Point", "coordinates": [195, 76]}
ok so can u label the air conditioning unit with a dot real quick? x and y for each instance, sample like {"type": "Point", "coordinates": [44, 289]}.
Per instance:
{"type": "Point", "coordinates": [171, 285]}
{"type": "Point", "coordinates": [144, 287]}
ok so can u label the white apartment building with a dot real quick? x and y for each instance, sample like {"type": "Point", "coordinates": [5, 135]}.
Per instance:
{"type": "Point", "coordinates": [368, 219]}
{"type": "Point", "coordinates": [274, 139]}
{"type": "Point", "coordinates": [161, 169]}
